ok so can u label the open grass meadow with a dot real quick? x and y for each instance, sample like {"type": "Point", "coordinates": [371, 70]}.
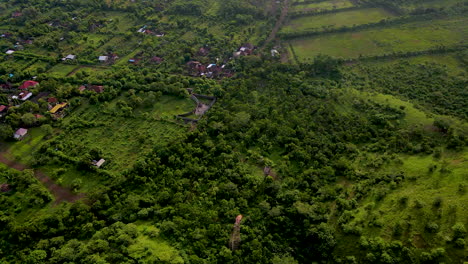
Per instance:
{"type": "Point", "coordinates": [432, 4]}
{"type": "Point", "coordinates": [22, 150]}
{"type": "Point", "coordinates": [62, 70]}
{"type": "Point", "coordinates": [402, 38]}
{"type": "Point", "coordinates": [321, 6]}
{"type": "Point", "coordinates": [336, 20]}
{"type": "Point", "coordinates": [150, 242]}
{"type": "Point", "coordinates": [451, 61]}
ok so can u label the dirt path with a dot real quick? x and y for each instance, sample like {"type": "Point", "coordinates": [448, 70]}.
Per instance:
{"type": "Point", "coordinates": [284, 13]}
{"type": "Point", "coordinates": [60, 193]}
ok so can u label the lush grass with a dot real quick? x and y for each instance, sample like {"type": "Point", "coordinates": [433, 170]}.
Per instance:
{"type": "Point", "coordinates": [38, 65]}
{"type": "Point", "coordinates": [22, 150]}
{"type": "Point", "coordinates": [335, 20]}
{"type": "Point", "coordinates": [379, 217]}
{"type": "Point", "coordinates": [150, 242]}
{"type": "Point", "coordinates": [322, 6]}
{"type": "Point", "coordinates": [68, 176]}
{"type": "Point", "coordinates": [432, 4]}
{"type": "Point", "coordinates": [453, 64]}
{"type": "Point", "coordinates": [413, 116]}
{"type": "Point", "coordinates": [62, 70]}
{"type": "Point", "coordinates": [120, 21]}
{"type": "Point", "coordinates": [402, 38]}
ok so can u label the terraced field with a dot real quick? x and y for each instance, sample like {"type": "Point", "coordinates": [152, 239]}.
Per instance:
{"type": "Point", "coordinates": [322, 6]}
{"type": "Point", "coordinates": [335, 20]}
{"type": "Point", "coordinates": [415, 36]}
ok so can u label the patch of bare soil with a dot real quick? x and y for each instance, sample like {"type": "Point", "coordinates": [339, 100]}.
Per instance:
{"type": "Point", "coordinates": [59, 192]}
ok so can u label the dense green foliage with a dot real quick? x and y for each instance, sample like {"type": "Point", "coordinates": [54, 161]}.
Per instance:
{"type": "Point", "coordinates": [329, 161]}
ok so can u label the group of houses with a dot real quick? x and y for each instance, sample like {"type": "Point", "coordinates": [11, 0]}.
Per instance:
{"type": "Point", "coordinates": [24, 93]}
{"type": "Point", "coordinates": [245, 50]}
{"type": "Point", "coordinates": [108, 58]}
{"type": "Point", "coordinates": [216, 70]}
{"type": "Point", "coordinates": [140, 56]}
{"type": "Point", "coordinates": [146, 30]}
{"type": "Point", "coordinates": [91, 87]}
{"type": "Point", "coordinates": [211, 70]}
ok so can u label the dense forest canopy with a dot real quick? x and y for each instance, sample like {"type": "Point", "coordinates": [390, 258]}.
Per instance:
{"type": "Point", "coordinates": [200, 132]}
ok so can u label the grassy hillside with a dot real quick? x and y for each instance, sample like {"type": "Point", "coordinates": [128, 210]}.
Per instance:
{"type": "Point", "coordinates": [336, 20]}
{"type": "Point", "coordinates": [402, 38]}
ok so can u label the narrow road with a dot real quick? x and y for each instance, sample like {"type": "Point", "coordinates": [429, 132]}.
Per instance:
{"type": "Point", "coordinates": [60, 193]}
{"type": "Point", "coordinates": [284, 14]}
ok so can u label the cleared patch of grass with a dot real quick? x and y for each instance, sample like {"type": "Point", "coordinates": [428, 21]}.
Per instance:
{"type": "Point", "coordinates": [62, 70]}
{"type": "Point", "coordinates": [150, 242]}
{"type": "Point", "coordinates": [432, 4]}
{"type": "Point", "coordinates": [453, 64]}
{"type": "Point", "coordinates": [401, 38]}
{"type": "Point", "coordinates": [322, 6]}
{"type": "Point", "coordinates": [22, 150]}
{"type": "Point", "coordinates": [413, 116]}
{"type": "Point", "coordinates": [336, 20]}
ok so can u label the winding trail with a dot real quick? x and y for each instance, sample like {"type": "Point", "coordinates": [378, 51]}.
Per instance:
{"type": "Point", "coordinates": [284, 14]}
{"type": "Point", "coordinates": [60, 193]}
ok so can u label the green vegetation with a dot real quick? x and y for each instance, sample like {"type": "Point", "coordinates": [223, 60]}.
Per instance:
{"type": "Point", "coordinates": [322, 5]}
{"type": "Point", "coordinates": [335, 20]}
{"type": "Point", "coordinates": [402, 38]}
{"type": "Point", "coordinates": [192, 140]}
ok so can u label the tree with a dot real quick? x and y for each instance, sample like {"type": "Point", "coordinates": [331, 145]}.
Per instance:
{"type": "Point", "coordinates": [459, 230]}
{"type": "Point", "coordinates": [28, 119]}
{"type": "Point", "coordinates": [6, 131]}
{"type": "Point", "coordinates": [37, 256]}
{"type": "Point", "coordinates": [47, 129]}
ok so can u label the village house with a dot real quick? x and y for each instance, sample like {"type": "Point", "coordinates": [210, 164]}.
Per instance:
{"type": "Point", "coordinates": [6, 86]}
{"type": "Point", "coordinates": [57, 111]}
{"type": "Point", "coordinates": [98, 163]}
{"type": "Point", "coordinates": [6, 35]}
{"type": "Point", "coordinates": [3, 109]}
{"type": "Point", "coordinates": [16, 14]}
{"type": "Point", "coordinates": [244, 50]}
{"type": "Point", "coordinates": [25, 95]}
{"type": "Point", "coordinates": [5, 187]}
{"type": "Point", "coordinates": [9, 52]}
{"type": "Point", "coordinates": [52, 101]}
{"type": "Point", "coordinates": [69, 57]}
{"type": "Point", "coordinates": [28, 84]}
{"type": "Point", "coordinates": [96, 88]}
{"type": "Point", "coordinates": [20, 133]}
{"type": "Point", "coordinates": [156, 59]}
{"type": "Point", "coordinates": [203, 51]}
{"type": "Point", "coordinates": [81, 88]}
{"type": "Point", "coordinates": [103, 58]}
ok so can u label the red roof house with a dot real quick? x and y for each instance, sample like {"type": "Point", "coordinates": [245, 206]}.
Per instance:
{"type": "Point", "coordinates": [97, 88]}
{"type": "Point", "coordinates": [28, 84]}
{"type": "Point", "coordinates": [2, 108]}
{"type": "Point", "coordinates": [52, 100]}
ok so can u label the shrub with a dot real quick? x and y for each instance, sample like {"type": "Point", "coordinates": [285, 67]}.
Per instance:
{"type": "Point", "coordinates": [460, 243]}
{"type": "Point", "coordinates": [459, 230]}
